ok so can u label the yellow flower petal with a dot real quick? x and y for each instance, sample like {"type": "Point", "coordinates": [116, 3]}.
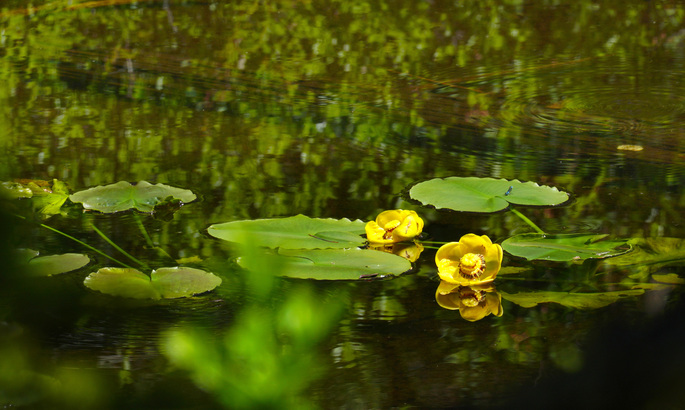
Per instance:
{"type": "Point", "coordinates": [397, 225]}
{"type": "Point", "coordinates": [462, 262]}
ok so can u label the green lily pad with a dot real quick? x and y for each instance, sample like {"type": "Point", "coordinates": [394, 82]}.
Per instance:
{"type": "Point", "coordinates": [50, 203]}
{"type": "Point", "coordinates": [296, 232]}
{"type": "Point", "coordinates": [564, 247]}
{"type": "Point", "coordinates": [165, 283]}
{"type": "Point", "coordinates": [123, 196]}
{"type": "Point", "coordinates": [569, 299]}
{"type": "Point", "coordinates": [179, 282]}
{"type": "Point", "coordinates": [14, 190]}
{"type": "Point", "coordinates": [55, 264]}
{"type": "Point", "coordinates": [24, 255]}
{"type": "Point", "coordinates": [336, 264]}
{"type": "Point", "coordinates": [484, 195]}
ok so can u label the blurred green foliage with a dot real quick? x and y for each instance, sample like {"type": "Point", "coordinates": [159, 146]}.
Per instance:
{"type": "Point", "coordinates": [269, 355]}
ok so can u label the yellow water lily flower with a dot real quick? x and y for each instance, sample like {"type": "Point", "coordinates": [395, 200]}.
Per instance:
{"type": "Point", "coordinates": [471, 261]}
{"type": "Point", "coordinates": [473, 302]}
{"type": "Point", "coordinates": [394, 226]}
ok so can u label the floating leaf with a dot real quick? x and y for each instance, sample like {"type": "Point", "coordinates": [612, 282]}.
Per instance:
{"type": "Point", "coordinates": [178, 282]}
{"type": "Point", "coordinates": [296, 232]}
{"type": "Point", "coordinates": [572, 300]}
{"type": "Point", "coordinates": [336, 264]}
{"type": "Point", "coordinates": [124, 282]}
{"type": "Point", "coordinates": [24, 255]}
{"type": "Point", "coordinates": [473, 194]}
{"type": "Point", "coordinates": [564, 247]}
{"type": "Point", "coordinates": [55, 264]}
{"type": "Point", "coordinates": [167, 283]}
{"type": "Point", "coordinates": [123, 196]}
{"type": "Point", "coordinates": [13, 190]}
{"type": "Point", "coordinates": [50, 202]}
{"type": "Point", "coordinates": [46, 200]}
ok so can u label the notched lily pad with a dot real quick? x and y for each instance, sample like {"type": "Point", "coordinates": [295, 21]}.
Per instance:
{"type": "Point", "coordinates": [569, 299]}
{"type": "Point", "coordinates": [168, 283]}
{"type": "Point", "coordinates": [123, 196]}
{"type": "Point", "coordinates": [564, 247]}
{"type": "Point", "coordinates": [485, 195]}
{"type": "Point", "coordinates": [296, 232]}
{"type": "Point", "coordinates": [335, 264]}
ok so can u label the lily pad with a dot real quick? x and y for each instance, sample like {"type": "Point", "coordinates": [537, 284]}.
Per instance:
{"type": "Point", "coordinates": [296, 232]}
{"type": "Point", "coordinates": [336, 264]}
{"type": "Point", "coordinates": [175, 282]}
{"type": "Point", "coordinates": [123, 196]}
{"type": "Point", "coordinates": [569, 299]}
{"type": "Point", "coordinates": [484, 195]}
{"type": "Point", "coordinates": [564, 247]}
{"type": "Point", "coordinates": [178, 282]}
{"type": "Point", "coordinates": [55, 264]}
{"type": "Point", "coordinates": [49, 202]}
{"type": "Point", "coordinates": [13, 190]}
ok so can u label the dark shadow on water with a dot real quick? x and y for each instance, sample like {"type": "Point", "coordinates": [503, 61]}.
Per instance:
{"type": "Point", "coordinates": [626, 366]}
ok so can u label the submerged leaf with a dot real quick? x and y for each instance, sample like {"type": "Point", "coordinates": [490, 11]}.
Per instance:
{"type": "Point", "coordinates": [572, 300]}
{"type": "Point", "coordinates": [123, 196]}
{"type": "Point", "coordinates": [166, 283]}
{"type": "Point", "coordinates": [296, 232]}
{"type": "Point", "coordinates": [564, 247]}
{"type": "Point", "coordinates": [485, 195]}
{"type": "Point", "coordinates": [336, 264]}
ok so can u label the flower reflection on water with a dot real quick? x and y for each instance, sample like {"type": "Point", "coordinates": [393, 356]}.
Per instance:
{"type": "Point", "coordinates": [473, 302]}
{"type": "Point", "coordinates": [409, 250]}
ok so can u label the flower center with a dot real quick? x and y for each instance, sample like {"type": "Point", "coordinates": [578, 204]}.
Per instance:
{"type": "Point", "coordinates": [389, 227]}
{"type": "Point", "coordinates": [471, 266]}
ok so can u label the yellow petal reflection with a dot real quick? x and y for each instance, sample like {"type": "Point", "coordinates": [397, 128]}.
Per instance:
{"type": "Point", "coordinates": [473, 260]}
{"type": "Point", "coordinates": [394, 226]}
{"type": "Point", "coordinates": [410, 250]}
{"type": "Point", "coordinates": [473, 302]}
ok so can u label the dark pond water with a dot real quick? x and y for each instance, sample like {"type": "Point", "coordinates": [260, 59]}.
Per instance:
{"type": "Point", "coordinates": [332, 109]}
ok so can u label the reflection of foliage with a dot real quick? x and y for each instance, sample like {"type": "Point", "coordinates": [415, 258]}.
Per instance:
{"type": "Point", "coordinates": [330, 110]}
{"type": "Point", "coordinates": [570, 299]}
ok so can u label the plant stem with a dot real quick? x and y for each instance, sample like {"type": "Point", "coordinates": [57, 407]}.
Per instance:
{"type": "Point", "coordinates": [147, 237]}
{"type": "Point", "coordinates": [143, 230]}
{"type": "Point", "coordinates": [117, 247]}
{"type": "Point", "coordinates": [79, 242]}
{"type": "Point", "coordinates": [528, 221]}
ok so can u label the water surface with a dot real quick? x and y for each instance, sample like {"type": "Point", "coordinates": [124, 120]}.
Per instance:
{"type": "Point", "coordinates": [330, 109]}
